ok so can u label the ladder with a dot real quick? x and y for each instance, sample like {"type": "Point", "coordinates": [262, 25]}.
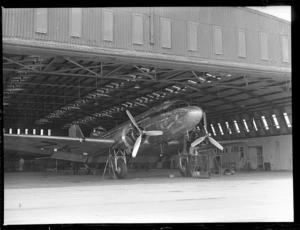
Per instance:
{"type": "Point", "coordinates": [110, 164]}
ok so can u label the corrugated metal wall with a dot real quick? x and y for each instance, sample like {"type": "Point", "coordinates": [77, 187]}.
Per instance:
{"type": "Point", "coordinates": [21, 23]}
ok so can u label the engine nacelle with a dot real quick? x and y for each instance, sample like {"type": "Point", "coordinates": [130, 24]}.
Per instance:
{"type": "Point", "coordinates": [129, 136]}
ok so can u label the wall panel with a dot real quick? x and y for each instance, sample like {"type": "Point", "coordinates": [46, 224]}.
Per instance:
{"type": "Point", "coordinates": [113, 28]}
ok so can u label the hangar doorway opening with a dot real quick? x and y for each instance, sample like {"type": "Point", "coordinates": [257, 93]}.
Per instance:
{"type": "Point", "coordinates": [256, 158]}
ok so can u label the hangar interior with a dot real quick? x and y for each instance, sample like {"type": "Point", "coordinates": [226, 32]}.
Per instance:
{"type": "Point", "coordinates": [86, 66]}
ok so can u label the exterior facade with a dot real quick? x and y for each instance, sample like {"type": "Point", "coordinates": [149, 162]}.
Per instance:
{"type": "Point", "coordinates": [220, 33]}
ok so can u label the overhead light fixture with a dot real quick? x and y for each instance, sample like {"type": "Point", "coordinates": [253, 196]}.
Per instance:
{"type": "Point", "coordinates": [191, 81]}
{"type": "Point", "coordinates": [171, 91]}
{"type": "Point", "coordinates": [176, 87]}
{"type": "Point", "coordinates": [145, 69]}
{"type": "Point", "coordinates": [137, 86]}
{"type": "Point", "coordinates": [201, 79]}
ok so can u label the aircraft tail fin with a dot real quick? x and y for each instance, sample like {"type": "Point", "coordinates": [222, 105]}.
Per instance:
{"type": "Point", "coordinates": [75, 131]}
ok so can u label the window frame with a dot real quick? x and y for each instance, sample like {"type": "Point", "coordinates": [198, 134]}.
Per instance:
{"type": "Point", "coordinates": [78, 32]}
{"type": "Point", "coordinates": [135, 38]}
{"type": "Point", "coordinates": [109, 38]}
{"type": "Point", "coordinates": [242, 47]}
{"type": "Point", "coordinates": [190, 25]}
{"type": "Point", "coordinates": [218, 40]}
{"type": "Point", "coordinates": [41, 20]}
{"type": "Point", "coordinates": [166, 43]}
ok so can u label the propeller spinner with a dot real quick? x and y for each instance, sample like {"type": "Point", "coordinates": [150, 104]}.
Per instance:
{"type": "Point", "coordinates": [207, 135]}
{"type": "Point", "coordinates": [141, 133]}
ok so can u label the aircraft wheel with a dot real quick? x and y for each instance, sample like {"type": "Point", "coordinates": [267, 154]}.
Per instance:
{"type": "Point", "coordinates": [184, 167]}
{"type": "Point", "coordinates": [121, 170]}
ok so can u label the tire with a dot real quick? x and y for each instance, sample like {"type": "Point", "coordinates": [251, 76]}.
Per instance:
{"type": "Point", "coordinates": [184, 167]}
{"type": "Point", "coordinates": [121, 171]}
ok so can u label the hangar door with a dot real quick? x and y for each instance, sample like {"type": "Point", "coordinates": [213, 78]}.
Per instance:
{"type": "Point", "coordinates": [255, 157]}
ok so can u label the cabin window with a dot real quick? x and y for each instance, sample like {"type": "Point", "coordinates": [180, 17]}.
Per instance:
{"type": "Point", "coordinates": [76, 22]}
{"type": "Point", "coordinates": [41, 20]}
{"type": "Point", "coordinates": [49, 132]}
{"type": "Point", "coordinates": [285, 49]}
{"type": "Point", "coordinates": [218, 40]}
{"type": "Point", "coordinates": [264, 46]}
{"type": "Point", "coordinates": [166, 33]}
{"type": "Point", "coordinates": [241, 44]}
{"type": "Point", "coordinates": [192, 36]}
{"type": "Point", "coordinates": [108, 25]}
{"type": "Point", "coordinates": [137, 29]}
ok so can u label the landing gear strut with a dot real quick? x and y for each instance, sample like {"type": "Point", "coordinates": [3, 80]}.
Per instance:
{"type": "Point", "coordinates": [116, 162]}
{"type": "Point", "coordinates": [184, 165]}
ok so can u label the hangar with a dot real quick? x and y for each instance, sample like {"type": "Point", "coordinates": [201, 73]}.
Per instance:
{"type": "Point", "coordinates": [87, 66]}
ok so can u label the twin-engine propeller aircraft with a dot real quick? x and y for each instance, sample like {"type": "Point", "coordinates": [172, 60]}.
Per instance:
{"type": "Point", "coordinates": [143, 135]}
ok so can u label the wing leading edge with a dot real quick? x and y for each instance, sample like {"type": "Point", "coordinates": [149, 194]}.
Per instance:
{"type": "Point", "coordinates": [46, 145]}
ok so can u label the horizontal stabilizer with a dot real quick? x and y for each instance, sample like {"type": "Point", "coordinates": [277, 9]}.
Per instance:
{"type": "Point", "coordinates": [75, 131]}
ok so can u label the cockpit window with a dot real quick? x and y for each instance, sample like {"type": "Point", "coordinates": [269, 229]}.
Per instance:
{"type": "Point", "coordinates": [180, 104]}
{"type": "Point", "coordinates": [99, 129]}
{"type": "Point", "coordinates": [167, 107]}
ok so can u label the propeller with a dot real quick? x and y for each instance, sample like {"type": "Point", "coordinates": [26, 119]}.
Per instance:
{"type": "Point", "coordinates": [207, 135]}
{"type": "Point", "coordinates": [141, 133]}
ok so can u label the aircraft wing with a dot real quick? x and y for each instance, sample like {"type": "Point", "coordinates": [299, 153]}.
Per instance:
{"type": "Point", "coordinates": [68, 148]}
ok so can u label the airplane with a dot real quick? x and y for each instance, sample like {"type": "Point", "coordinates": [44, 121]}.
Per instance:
{"type": "Point", "coordinates": [161, 127]}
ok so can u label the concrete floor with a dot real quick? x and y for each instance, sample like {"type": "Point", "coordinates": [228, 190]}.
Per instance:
{"type": "Point", "coordinates": [147, 197]}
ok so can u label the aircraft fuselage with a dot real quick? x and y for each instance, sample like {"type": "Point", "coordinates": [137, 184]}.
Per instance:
{"type": "Point", "coordinates": [174, 123]}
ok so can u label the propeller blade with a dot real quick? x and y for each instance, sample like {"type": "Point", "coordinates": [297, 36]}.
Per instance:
{"type": "Point", "coordinates": [215, 143]}
{"type": "Point", "coordinates": [205, 122]}
{"type": "Point", "coordinates": [198, 141]}
{"type": "Point", "coordinates": [153, 133]}
{"type": "Point", "coordinates": [136, 146]}
{"type": "Point", "coordinates": [132, 120]}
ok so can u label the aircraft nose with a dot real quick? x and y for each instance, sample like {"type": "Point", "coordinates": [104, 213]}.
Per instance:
{"type": "Point", "coordinates": [194, 115]}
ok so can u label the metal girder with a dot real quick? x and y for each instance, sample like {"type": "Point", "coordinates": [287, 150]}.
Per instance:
{"type": "Point", "coordinates": [16, 62]}
{"type": "Point", "coordinates": [49, 64]}
{"type": "Point", "coordinates": [145, 73]}
{"type": "Point", "coordinates": [178, 72]}
{"type": "Point", "coordinates": [82, 67]}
